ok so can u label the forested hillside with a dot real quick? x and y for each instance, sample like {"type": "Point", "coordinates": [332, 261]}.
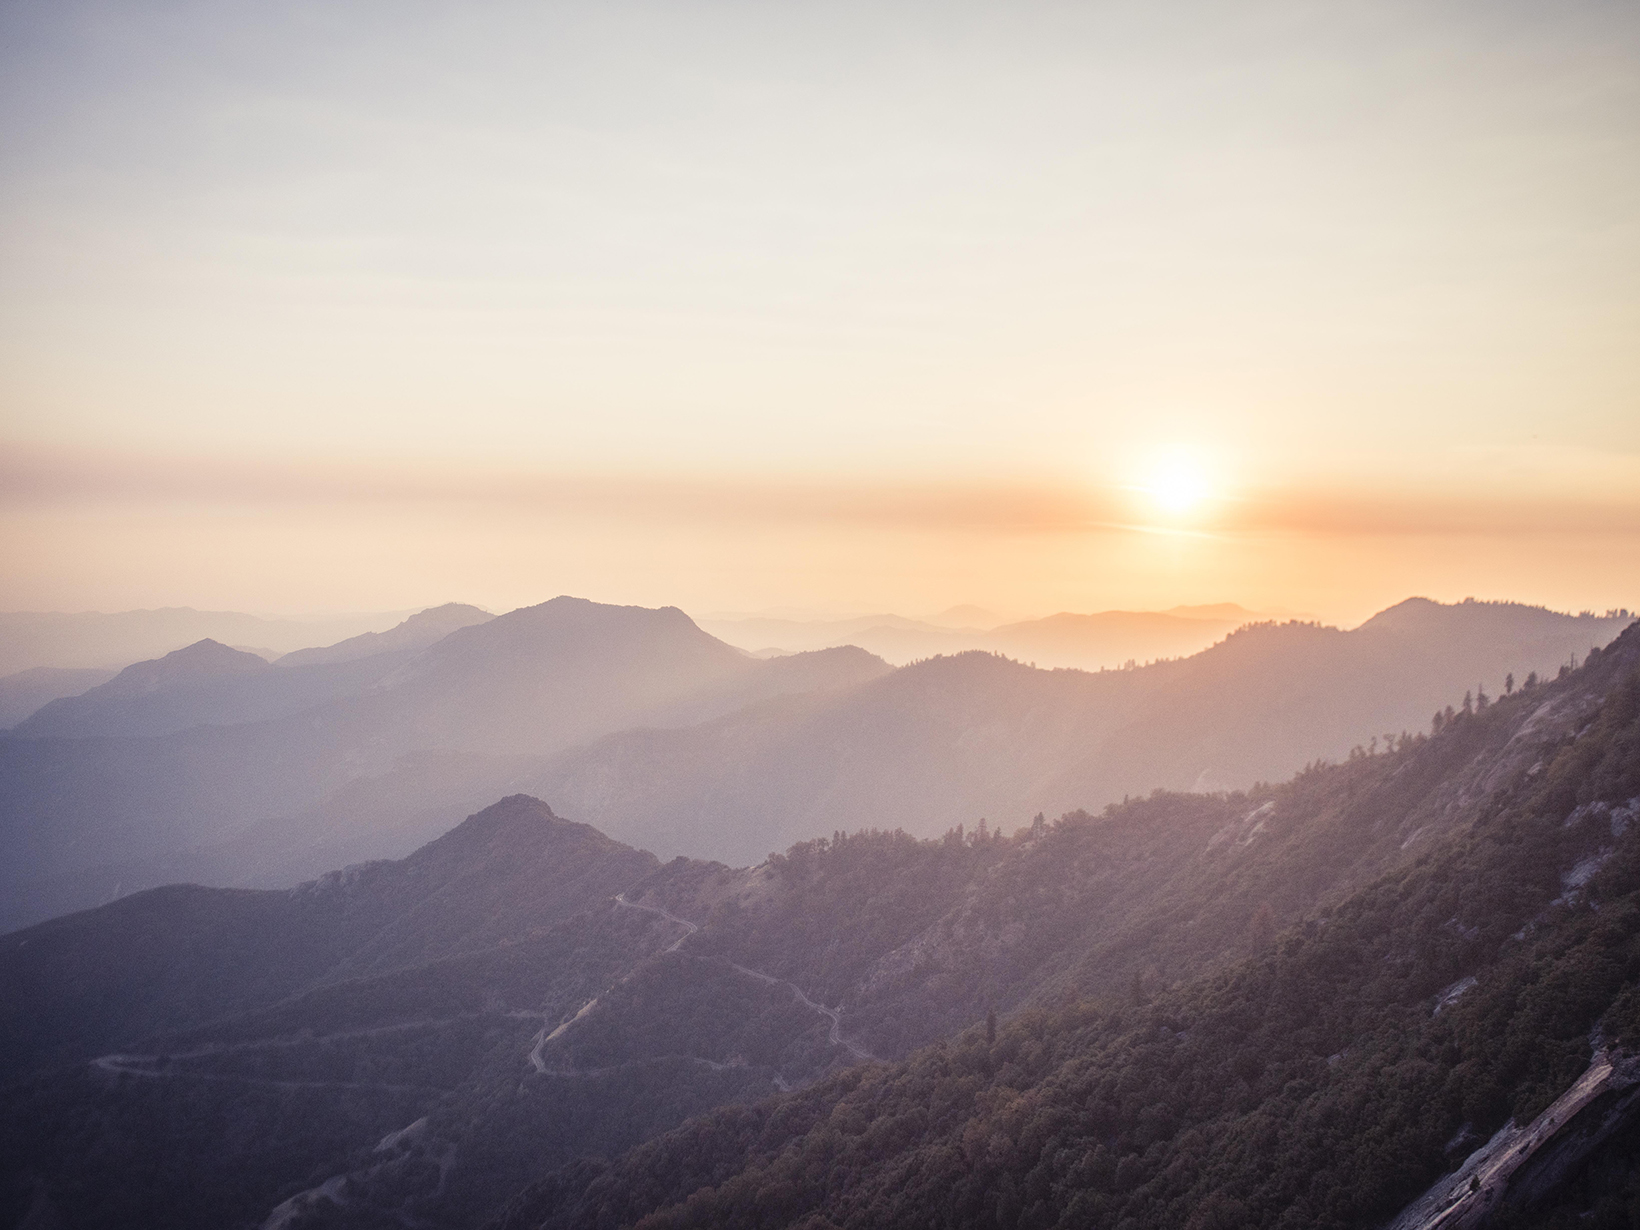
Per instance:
{"type": "Point", "coordinates": [1325, 1080]}
{"type": "Point", "coordinates": [1187, 989]}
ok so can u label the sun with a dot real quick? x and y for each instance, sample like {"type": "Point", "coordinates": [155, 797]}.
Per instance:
{"type": "Point", "coordinates": [1177, 485]}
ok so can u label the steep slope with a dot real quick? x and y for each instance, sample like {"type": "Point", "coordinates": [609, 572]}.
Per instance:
{"type": "Point", "coordinates": [1272, 697]}
{"type": "Point", "coordinates": [194, 664]}
{"type": "Point", "coordinates": [434, 1069]}
{"type": "Point", "coordinates": [506, 872]}
{"type": "Point", "coordinates": [943, 741]}
{"type": "Point", "coordinates": [418, 632]}
{"type": "Point", "coordinates": [1323, 1082]}
{"type": "Point", "coordinates": [954, 739]}
{"type": "Point", "coordinates": [296, 1025]}
{"type": "Point", "coordinates": [176, 956]}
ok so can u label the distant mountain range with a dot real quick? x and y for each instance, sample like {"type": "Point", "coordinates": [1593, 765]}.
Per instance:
{"type": "Point", "coordinates": [953, 739]}
{"type": "Point", "coordinates": [1299, 1004]}
{"type": "Point", "coordinates": [58, 642]}
{"type": "Point", "coordinates": [208, 766]}
{"type": "Point", "coordinates": [24, 692]}
{"type": "Point", "coordinates": [31, 639]}
{"type": "Point", "coordinates": [87, 791]}
{"type": "Point", "coordinates": [421, 630]}
{"type": "Point", "coordinates": [1082, 642]}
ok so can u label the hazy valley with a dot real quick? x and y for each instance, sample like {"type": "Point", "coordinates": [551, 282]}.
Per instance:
{"type": "Point", "coordinates": [1046, 1031]}
{"type": "Point", "coordinates": [862, 868]}
{"type": "Point", "coordinates": [211, 765]}
{"type": "Point", "coordinates": [735, 616]}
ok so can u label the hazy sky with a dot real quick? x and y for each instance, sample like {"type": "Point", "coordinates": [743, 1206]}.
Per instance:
{"type": "Point", "coordinates": [1035, 305]}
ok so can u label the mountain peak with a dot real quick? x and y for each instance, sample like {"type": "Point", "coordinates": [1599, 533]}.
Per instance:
{"type": "Point", "coordinates": [513, 811]}
{"type": "Point", "coordinates": [510, 831]}
{"type": "Point", "coordinates": [203, 660]}
{"type": "Point", "coordinates": [566, 608]}
{"type": "Point", "coordinates": [1416, 615]}
{"type": "Point", "coordinates": [176, 679]}
{"type": "Point", "coordinates": [451, 614]}
{"type": "Point", "coordinates": [566, 636]}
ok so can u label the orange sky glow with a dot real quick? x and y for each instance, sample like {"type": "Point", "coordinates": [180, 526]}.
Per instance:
{"type": "Point", "coordinates": [839, 307]}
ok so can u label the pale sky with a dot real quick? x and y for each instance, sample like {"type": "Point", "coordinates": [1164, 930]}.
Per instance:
{"type": "Point", "coordinates": [353, 306]}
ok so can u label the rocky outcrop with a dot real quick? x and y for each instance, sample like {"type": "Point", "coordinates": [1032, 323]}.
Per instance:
{"type": "Point", "coordinates": [1520, 1166]}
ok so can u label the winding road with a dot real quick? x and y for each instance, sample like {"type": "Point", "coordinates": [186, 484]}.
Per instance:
{"type": "Point", "coordinates": [620, 899]}
{"type": "Point", "coordinates": [143, 1065]}
{"type": "Point", "coordinates": [541, 1039]}
{"type": "Point", "coordinates": [834, 1015]}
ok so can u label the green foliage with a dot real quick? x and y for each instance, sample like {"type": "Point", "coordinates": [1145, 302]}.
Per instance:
{"type": "Point", "coordinates": [1210, 1010]}
{"type": "Point", "coordinates": [1313, 1085]}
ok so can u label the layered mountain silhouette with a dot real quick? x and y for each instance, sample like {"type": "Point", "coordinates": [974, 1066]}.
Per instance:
{"type": "Point", "coordinates": [209, 684]}
{"type": "Point", "coordinates": [94, 639]}
{"type": "Point", "coordinates": [1315, 996]}
{"type": "Point", "coordinates": [417, 632]}
{"type": "Point", "coordinates": [128, 774]}
{"type": "Point", "coordinates": [957, 738]}
{"type": "Point", "coordinates": [1455, 1042]}
{"type": "Point", "coordinates": [663, 736]}
{"type": "Point", "coordinates": [193, 686]}
{"type": "Point", "coordinates": [1082, 642]}
{"type": "Point", "coordinates": [1110, 638]}
{"type": "Point", "coordinates": [26, 691]}
{"type": "Point", "coordinates": [205, 684]}
{"type": "Point", "coordinates": [182, 955]}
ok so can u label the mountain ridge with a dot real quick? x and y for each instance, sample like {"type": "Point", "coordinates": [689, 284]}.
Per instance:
{"type": "Point", "coordinates": [531, 681]}
{"type": "Point", "coordinates": [413, 744]}
{"type": "Point", "coordinates": [116, 639]}
{"type": "Point", "coordinates": [1216, 1102]}
{"type": "Point", "coordinates": [418, 631]}
{"type": "Point", "coordinates": [597, 1031]}
{"type": "Point", "coordinates": [963, 736]}
{"type": "Point", "coordinates": [108, 707]}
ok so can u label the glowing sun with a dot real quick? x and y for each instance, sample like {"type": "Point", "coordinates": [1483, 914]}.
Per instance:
{"type": "Point", "coordinates": [1177, 485]}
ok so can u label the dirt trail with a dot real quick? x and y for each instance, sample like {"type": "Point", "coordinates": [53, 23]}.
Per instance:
{"type": "Point", "coordinates": [834, 1015]}
{"type": "Point", "coordinates": [620, 899]}
{"type": "Point", "coordinates": [543, 1037]}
